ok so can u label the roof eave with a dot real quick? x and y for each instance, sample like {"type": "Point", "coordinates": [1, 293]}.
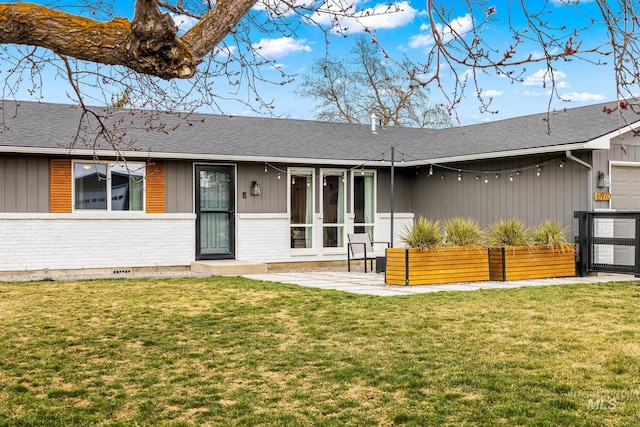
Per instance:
{"type": "Point", "coordinates": [601, 143]}
{"type": "Point", "coordinates": [183, 156]}
{"type": "Point", "coordinates": [502, 154]}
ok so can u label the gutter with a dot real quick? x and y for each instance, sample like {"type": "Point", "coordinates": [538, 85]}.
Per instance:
{"type": "Point", "coordinates": [571, 157]}
{"type": "Point", "coordinates": [274, 159]}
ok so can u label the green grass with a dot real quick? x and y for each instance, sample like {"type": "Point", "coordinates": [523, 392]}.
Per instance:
{"type": "Point", "coordinates": [231, 351]}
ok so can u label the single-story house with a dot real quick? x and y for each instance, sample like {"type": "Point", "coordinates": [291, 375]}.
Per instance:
{"type": "Point", "coordinates": [277, 190]}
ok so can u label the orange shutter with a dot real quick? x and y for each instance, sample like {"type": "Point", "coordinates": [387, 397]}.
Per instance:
{"type": "Point", "coordinates": [60, 186]}
{"type": "Point", "coordinates": [155, 190]}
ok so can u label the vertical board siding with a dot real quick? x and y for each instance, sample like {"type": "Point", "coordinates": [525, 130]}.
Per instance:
{"type": "Point", "coordinates": [155, 191]}
{"type": "Point", "coordinates": [24, 184]}
{"type": "Point", "coordinates": [555, 194]}
{"type": "Point", "coordinates": [179, 186]}
{"type": "Point", "coordinates": [274, 191]}
{"type": "Point", "coordinates": [623, 149]}
{"type": "Point", "coordinates": [60, 179]}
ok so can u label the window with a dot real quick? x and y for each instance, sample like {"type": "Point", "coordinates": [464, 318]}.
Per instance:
{"type": "Point", "coordinates": [364, 202]}
{"type": "Point", "coordinates": [301, 208]}
{"type": "Point", "coordinates": [108, 186]}
{"type": "Point", "coordinates": [333, 209]}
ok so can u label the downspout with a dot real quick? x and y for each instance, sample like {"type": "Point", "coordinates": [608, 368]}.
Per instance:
{"type": "Point", "coordinates": [570, 156]}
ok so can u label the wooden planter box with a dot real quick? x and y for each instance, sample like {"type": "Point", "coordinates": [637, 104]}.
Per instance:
{"type": "Point", "coordinates": [441, 265]}
{"type": "Point", "coordinates": [536, 262]}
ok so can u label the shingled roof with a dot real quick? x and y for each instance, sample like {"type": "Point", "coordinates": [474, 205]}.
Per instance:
{"type": "Point", "coordinates": [50, 129]}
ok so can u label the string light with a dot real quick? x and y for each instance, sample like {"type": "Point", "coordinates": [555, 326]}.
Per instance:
{"type": "Point", "coordinates": [293, 180]}
{"type": "Point", "coordinates": [538, 170]}
{"type": "Point", "coordinates": [486, 179]}
{"type": "Point", "coordinates": [511, 178]}
{"type": "Point", "coordinates": [265, 168]}
{"type": "Point", "coordinates": [497, 175]}
{"type": "Point", "coordinates": [459, 176]}
{"type": "Point", "coordinates": [431, 170]}
{"type": "Point", "coordinates": [561, 163]}
{"type": "Point", "coordinates": [278, 175]}
{"type": "Point", "coordinates": [324, 181]}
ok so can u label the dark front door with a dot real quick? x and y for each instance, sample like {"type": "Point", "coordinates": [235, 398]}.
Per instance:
{"type": "Point", "coordinates": [215, 212]}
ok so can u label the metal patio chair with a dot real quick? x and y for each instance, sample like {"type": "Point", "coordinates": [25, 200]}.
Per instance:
{"type": "Point", "coordinates": [360, 247]}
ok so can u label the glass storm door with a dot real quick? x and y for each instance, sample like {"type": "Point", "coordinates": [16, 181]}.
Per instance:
{"type": "Point", "coordinates": [215, 213]}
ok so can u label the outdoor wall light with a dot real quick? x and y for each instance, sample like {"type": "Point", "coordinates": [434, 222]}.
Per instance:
{"type": "Point", "coordinates": [603, 180]}
{"type": "Point", "coordinates": [256, 190]}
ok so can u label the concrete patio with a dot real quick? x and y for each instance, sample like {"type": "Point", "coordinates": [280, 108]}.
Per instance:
{"type": "Point", "coordinates": [373, 284]}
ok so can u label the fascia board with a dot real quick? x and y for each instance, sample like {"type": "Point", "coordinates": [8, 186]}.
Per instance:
{"type": "Point", "coordinates": [186, 156]}
{"type": "Point", "coordinates": [604, 142]}
{"type": "Point", "coordinates": [498, 154]}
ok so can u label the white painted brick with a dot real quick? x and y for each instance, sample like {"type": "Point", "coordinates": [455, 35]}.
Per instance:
{"type": "Point", "coordinates": [383, 226]}
{"type": "Point", "coordinates": [72, 241]}
{"type": "Point", "coordinates": [265, 238]}
{"type": "Point", "coordinates": [603, 227]}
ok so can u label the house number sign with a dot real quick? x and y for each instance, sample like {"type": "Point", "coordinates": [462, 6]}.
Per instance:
{"type": "Point", "coordinates": [603, 196]}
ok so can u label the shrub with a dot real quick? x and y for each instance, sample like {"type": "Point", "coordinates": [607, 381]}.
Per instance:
{"type": "Point", "coordinates": [462, 232]}
{"type": "Point", "coordinates": [422, 234]}
{"type": "Point", "coordinates": [511, 232]}
{"type": "Point", "coordinates": [551, 234]}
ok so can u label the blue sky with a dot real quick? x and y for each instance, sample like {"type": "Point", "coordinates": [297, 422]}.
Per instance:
{"type": "Point", "coordinates": [406, 33]}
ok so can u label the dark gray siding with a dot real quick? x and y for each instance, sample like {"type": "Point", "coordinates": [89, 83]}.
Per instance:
{"type": "Point", "coordinates": [179, 186]}
{"type": "Point", "coordinates": [625, 149]}
{"type": "Point", "coordinates": [555, 194]}
{"type": "Point", "coordinates": [24, 184]}
{"type": "Point", "coordinates": [274, 191]}
{"type": "Point", "coordinates": [403, 184]}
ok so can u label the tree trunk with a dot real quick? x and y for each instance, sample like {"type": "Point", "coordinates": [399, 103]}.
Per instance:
{"type": "Point", "coordinates": [149, 44]}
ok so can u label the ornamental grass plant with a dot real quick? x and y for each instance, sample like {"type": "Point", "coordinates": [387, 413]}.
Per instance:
{"type": "Point", "coordinates": [551, 235]}
{"type": "Point", "coordinates": [463, 232]}
{"type": "Point", "coordinates": [510, 232]}
{"type": "Point", "coordinates": [422, 234]}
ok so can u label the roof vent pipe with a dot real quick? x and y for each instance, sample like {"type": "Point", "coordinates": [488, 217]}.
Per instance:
{"type": "Point", "coordinates": [571, 157]}
{"type": "Point", "coordinates": [373, 123]}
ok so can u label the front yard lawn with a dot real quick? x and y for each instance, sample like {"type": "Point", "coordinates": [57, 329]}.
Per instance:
{"type": "Point", "coordinates": [232, 351]}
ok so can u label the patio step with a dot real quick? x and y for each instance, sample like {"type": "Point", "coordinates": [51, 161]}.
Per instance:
{"type": "Point", "coordinates": [229, 267]}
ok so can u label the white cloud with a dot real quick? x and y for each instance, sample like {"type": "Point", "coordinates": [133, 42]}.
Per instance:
{"type": "Point", "coordinates": [535, 93]}
{"type": "Point", "coordinates": [491, 92]}
{"type": "Point", "coordinates": [380, 16]}
{"type": "Point", "coordinates": [582, 96]}
{"type": "Point", "coordinates": [280, 8]}
{"type": "Point", "coordinates": [454, 29]}
{"type": "Point", "coordinates": [421, 40]}
{"type": "Point", "coordinates": [183, 22]}
{"type": "Point", "coordinates": [542, 78]}
{"type": "Point", "coordinates": [277, 48]}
